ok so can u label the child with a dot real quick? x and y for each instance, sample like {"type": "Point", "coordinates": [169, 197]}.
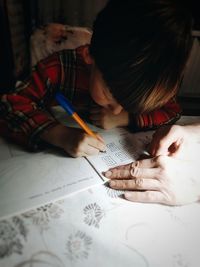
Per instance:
{"type": "Point", "coordinates": [132, 69]}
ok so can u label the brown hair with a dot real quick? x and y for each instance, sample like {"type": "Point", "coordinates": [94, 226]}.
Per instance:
{"type": "Point", "coordinates": [141, 48]}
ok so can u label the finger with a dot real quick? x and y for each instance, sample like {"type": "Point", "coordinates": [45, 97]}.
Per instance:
{"type": "Point", "coordinates": [173, 148]}
{"type": "Point", "coordinates": [118, 174]}
{"type": "Point", "coordinates": [91, 151]}
{"type": "Point", "coordinates": [135, 184]}
{"type": "Point", "coordinates": [121, 167]}
{"type": "Point", "coordinates": [144, 163]}
{"type": "Point", "coordinates": [147, 173]}
{"type": "Point", "coordinates": [163, 146]}
{"type": "Point", "coordinates": [159, 148]}
{"type": "Point", "coordinates": [86, 150]}
{"type": "Point", "coordinates": [164, 143]}
{"type": "Point", "coordinates": [176, 147]}
{"type": "Point", "coordinates": [142, 168]}
{"type": "Point", "coordinates": [159, 143]}
{"type": "Point", "coordinates": [146, 197]}
{"type": "Point", "coordinates": [96, 143]}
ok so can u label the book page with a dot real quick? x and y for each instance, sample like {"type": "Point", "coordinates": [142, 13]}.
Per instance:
{"type": "Point", "coordinates": [34, 179]}
{"type": "Point", "coordinates": [122, 147]}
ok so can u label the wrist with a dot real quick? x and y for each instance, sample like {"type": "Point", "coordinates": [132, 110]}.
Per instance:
{"type": "Point", "coordinates": [55, 135]}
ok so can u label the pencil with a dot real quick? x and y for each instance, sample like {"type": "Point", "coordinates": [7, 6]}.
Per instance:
{"type": "Point", "coordinates": [64, 102]}
{"type": "Point", "coordinates": [83, 125]}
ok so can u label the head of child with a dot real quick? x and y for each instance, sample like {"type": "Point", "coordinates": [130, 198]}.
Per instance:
{"type": "Point", "coordinates": [139, 50]}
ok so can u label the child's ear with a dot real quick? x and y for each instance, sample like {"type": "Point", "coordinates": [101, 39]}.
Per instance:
{"type": "Point", "coordinates": [86, 55]}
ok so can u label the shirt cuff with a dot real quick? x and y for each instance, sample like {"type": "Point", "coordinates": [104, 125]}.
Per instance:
{"type": "Point", "coordinates": [35, 142]}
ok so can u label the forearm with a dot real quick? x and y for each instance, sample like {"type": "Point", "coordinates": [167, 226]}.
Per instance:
{"type": "Point", "coordinates": [56, 135]}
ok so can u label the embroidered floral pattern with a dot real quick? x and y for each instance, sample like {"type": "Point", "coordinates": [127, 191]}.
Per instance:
{"type": "Point", "coordinates": [113, 193]}
{"type": "Point", "coordinates": [78, 246]}
{"type": "Point", "coordinates": [93, 214]}
{"type": "Point", "coordinates": [44, 214]}
{"type": "Point", "coordinates": [12, 235]}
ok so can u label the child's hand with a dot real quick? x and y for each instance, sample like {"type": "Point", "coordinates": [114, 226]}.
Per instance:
{"type": "Point", "coordinates": [105, 119]}
{"type": "Point", "coordinates": [74, 141]}
{"type": "Point", "coordinates": [80, 144]}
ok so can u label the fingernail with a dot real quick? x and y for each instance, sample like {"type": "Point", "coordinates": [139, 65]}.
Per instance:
{"type": "Point", "coordinates": [107, 174]}
{"type": "Point", "coordinates": [112, 183]}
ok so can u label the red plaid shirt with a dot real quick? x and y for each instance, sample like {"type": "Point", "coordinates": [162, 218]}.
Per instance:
{"type": "Point", "coordinates": [25, 113]}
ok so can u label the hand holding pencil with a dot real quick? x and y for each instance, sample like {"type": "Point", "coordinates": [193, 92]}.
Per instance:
{"type": "Point", "coordinates": [75, 141]}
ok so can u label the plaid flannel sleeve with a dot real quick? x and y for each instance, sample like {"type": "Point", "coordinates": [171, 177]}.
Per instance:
{"type": "Point", "coordinates": [24, 113]}
{"type": "Point", "coordinates": [168, 114]}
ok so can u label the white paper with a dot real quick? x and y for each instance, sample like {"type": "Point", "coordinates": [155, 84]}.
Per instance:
{"type": "Point", "coordinates": [32, 180]}
{"type": "Point", "coordinates": [122, 147]}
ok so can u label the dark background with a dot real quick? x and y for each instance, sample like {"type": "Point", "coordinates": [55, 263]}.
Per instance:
{"type": "Point", "coordinates": [19, 18]}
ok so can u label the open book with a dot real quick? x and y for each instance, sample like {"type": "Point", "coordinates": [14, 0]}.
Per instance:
{"type": "Point", "coordinates": [29, 180]}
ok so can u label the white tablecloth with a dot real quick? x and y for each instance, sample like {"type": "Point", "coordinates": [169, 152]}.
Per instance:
{"type": "Point", "coordinates": [97, 227]}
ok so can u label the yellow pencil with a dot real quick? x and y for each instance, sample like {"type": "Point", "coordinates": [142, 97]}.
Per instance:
{"type": "Point", "coordinates": [83, 125]}
{"type": "Point", "coordinates": [70, 110]}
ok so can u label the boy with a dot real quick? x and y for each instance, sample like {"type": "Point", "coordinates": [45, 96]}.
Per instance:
{"type": "Point", "coordinates": [132, 68]}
